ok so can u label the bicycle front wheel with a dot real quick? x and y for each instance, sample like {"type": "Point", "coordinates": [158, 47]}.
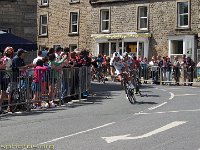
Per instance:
{"type": "Point", "coordinates": [131, 96]}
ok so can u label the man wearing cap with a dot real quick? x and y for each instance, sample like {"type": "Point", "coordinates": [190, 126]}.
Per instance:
{"type": "Point", "coordinates": [18, 64]}
{"type": "Point", "coordinates": [18, 61]}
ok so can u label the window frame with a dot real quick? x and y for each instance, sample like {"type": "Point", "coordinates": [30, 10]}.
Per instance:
{"type": "Point", "coordinates": [44, 4]}
{"type": "Point", "coordinates": [70, 46]}
{"type": "Point", "coordinates": [70, 23]}
{"type": "Point", "coordinates": [109, 20]}
{"type": "Point", "coordinates": [138, 18]}
{"type": "Point", "coordinates": [40, 25]}
{"type": "Point", "coordinates": [178, 15]}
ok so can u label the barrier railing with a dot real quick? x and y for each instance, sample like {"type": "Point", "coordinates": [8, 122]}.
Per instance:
{"type": "Point", "coordinates": [41, 88]}
{"type": "Point", "coordinates": [169, 75]}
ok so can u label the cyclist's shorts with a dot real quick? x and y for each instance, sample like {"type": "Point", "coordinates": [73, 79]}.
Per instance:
{"type": "Point", "coordinates": [36, 87]}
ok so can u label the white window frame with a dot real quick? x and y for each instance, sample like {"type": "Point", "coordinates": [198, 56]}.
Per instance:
{"type": "Point", "coordinates": [76, 23]}
{"type": "Point", "coordinates": [70, 46]}
{"type": "Point", "coordinates": [41, 25]}
{"type": "Point", "coordinates": [43, 3]}
{"type": "Point", "coordinates": [106, 20]}
{"type": "Point", "coordinates": [178, 14]}
{"type": "Point", "coordinates": [139, 18]}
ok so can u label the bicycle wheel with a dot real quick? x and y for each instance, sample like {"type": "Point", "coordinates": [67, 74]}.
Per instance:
{"type": "Point", "coordinates": [131, 96]}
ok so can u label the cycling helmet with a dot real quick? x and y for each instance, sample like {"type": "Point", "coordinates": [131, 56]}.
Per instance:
{"type": "Point", "coordinates": [9, 50]}
{"type": "Point", "coordinates": [125, 54]}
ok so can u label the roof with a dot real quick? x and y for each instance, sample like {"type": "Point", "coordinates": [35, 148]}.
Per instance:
{"type": "Point", "coordinates": [8, 39]}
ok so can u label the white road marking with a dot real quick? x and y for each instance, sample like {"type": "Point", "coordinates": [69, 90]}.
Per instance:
{"type": "Point", "coordinates": [67, 136]}
{"type": "Point", "coordinates": [152, 108]}
{"type": "Point", "coordinates": [175, 111]}
{"type": "Point", "coordinates": [186, 94]}
{"type": "Point", "coordinates": [159, 130]}
{"type": "Point", "coordinates": [163, 90]}
{"type": "Point", "coordinates": [172, 95]}
{"type": "Point", "coordinates": [174, 88]}
{"type": "Point", "coordinates": [193, 88]}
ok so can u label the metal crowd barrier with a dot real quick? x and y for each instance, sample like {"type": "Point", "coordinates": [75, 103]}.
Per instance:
{"type": "Point", "coordinates": [171, 75]}
{"type": "Point", "coordinates": [20, 93]}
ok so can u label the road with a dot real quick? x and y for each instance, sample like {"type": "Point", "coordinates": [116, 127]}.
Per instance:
{"type": "Point", "coordinates": [168, 119]}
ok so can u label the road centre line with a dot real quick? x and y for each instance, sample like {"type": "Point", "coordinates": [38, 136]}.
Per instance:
{"type": "Point", "coordinates": [67, 136]}
{"type": "Point", "coordinates": [176, 111]}
{"type": "Point", "coordinates": [186, 94]}
{"type": "Point", "coordinates": [152, 108]}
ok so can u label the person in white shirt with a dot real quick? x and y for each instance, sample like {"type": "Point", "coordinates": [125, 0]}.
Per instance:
{"type": "Point", "coordinates": [39, 57]}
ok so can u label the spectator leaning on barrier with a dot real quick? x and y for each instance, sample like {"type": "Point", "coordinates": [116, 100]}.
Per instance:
{"type": "Point", "coordinates": [37, 81]}
{"type": "Point", "coordinates": [190, 70]}
{"type": "Point", "coordinates": [176, 69]}
{"type": "Point", "coordinates": [154, 69]}
{"type": "Point", "coordinates": [58, 54]}
{"type": "Point", "coordinates": [183, 69]}
{"type": "Point", "coordinates": [39, 57]}
{"type": "Point", "coordinates": [45, 52]}
{"type": "Point", "coordinates": [54, 74]}
{"type": "Point", "coordinates": [168, 70]}
{"type": "Point", "coordinates": [5, 73]}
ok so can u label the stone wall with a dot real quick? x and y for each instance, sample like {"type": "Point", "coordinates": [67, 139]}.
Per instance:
{"type": "Point", "coordinates": [20, 16]}
{"type": "Point", "coordinates": [58, 23]}
{"type": "Point", "coordinates": [162, 20]}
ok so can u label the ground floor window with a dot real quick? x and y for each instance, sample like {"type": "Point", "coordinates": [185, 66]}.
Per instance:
{"type": "Point", "coordinates": [72, 47]}
{"type": "Point", "coordinates": [182, 44]}
{"type": "Point", "coordinates": [104, 49]}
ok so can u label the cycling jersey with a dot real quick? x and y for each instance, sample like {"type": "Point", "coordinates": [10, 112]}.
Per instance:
{"type": "Point", "coordinates": [118, 66]}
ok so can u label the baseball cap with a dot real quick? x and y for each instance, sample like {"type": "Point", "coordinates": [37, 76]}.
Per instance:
{"type": "Point", "coordinates": [20, 51]}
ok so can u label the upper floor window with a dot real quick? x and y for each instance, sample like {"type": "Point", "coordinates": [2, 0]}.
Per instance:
{"type": "Point", "coordinates": [105, 20]}
{"type": "Point", "coordinates": [44, 2]}
{"type": "Point", "coordinates": [183, 14]}
{"type": "Point", "coordinates": [142, 18]}
{"type": "Point", "coordinates": [74, 22]}
{"type": "Point", "coordinates": [43, 25]}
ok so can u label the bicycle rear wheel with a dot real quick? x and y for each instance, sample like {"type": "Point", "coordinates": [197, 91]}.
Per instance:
{"type": "Point", "coordinates": [131, 96]}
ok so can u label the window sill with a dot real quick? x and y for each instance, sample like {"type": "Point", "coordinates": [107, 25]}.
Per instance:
{"type": "Point", "coordinates": [73, 34]}
{"type": "Point", "coordinates": [77, 2]}
{"type": "Point", "coordinates": [182, 28]}
{"type": "Point", "coordinates": [43, 36]}
{"type": "Point", "coordinates": [105, 32]}
{"type": "Point", "coordinates": [44, 5]}
{"type": "Point", "coordinates": [142, 31]}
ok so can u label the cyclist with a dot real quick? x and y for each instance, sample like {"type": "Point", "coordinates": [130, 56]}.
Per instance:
{"type": "Point", "coordinates": [121, 68]}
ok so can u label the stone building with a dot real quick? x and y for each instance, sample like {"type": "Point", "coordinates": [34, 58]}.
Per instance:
{"type": "Point", "coordinates": [146, 27]}
{"type": "Point", "coordinates": [64, 23]}
{"type": "Point", "coordinates": [19, 17]}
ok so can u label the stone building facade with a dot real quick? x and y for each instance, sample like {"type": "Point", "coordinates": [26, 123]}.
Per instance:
{"type": "Point", "coordinates": [146, 27]}
{"type": "Point", "coordinates": [143, 27]}
{"type": "Point", "coordinates": [64, 23]}
{"type": "Point", "coordinates": [19, 17]}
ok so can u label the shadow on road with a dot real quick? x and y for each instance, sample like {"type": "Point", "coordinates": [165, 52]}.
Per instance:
{"type": "Point", "coordinates": [142, 102]}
